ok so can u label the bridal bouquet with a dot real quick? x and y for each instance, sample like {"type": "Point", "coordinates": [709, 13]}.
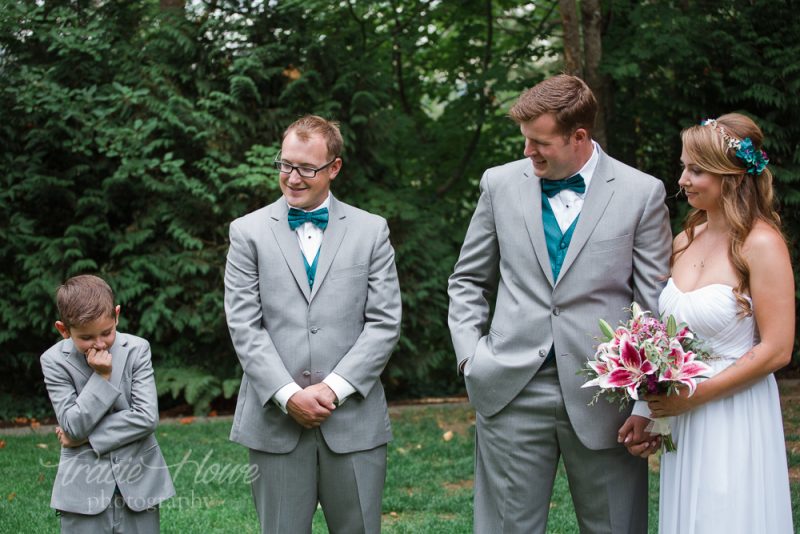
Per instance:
{"type": "Point", "coordinates": [646, 355]}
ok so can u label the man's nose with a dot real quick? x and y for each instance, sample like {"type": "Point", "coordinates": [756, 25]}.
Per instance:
{"type": "Point", "coordinates": [294, 176]}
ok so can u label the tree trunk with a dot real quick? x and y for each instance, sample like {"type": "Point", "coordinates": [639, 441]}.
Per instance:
{"type": "Point", "coordinates": [591, 18]}
{"type": "Point", "coordinates": [573, 58]}
{"type": "Point", "coordinates": [172, 5]}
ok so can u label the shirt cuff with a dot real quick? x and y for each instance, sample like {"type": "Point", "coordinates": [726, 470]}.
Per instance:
{"type": "Point", "coordinates": [641, 408]}
{"type": "Point", "coordinates": [341, 387]}
{"type": "Point", "coordinates": [284, 394]}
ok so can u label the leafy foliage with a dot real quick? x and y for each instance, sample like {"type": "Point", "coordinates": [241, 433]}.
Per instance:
{"type": "Point", "coordinates": [132, 137]}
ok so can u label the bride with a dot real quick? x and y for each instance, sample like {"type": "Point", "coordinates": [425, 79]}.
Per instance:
{"type": "Point", "coordinates": [732, 283]}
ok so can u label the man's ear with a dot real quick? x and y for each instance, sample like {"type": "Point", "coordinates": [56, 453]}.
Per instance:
{"type": "Point", "coordinates": [116, 312]}
{"type": "Point", "coordinates": [62, 329]}
{"type": "Point", "coordinates": [580, 135]}
{"type": "Point", "coordinates": [335, 167]}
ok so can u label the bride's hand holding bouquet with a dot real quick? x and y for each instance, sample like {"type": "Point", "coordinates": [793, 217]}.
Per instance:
{"type": "Point", "coordinates": [647, 358]}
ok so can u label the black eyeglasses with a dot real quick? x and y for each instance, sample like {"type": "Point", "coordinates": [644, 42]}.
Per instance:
{"type": "Point", "coordinates": [305, 172]}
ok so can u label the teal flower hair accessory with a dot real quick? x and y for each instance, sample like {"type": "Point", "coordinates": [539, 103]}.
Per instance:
{"type": "Point", "coordinates": [755, 161]}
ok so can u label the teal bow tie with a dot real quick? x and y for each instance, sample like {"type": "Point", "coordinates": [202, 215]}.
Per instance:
{"type": "Point", "coordinates": [299, 217]}
{"type": "Point", "coordinates": [552, 187]}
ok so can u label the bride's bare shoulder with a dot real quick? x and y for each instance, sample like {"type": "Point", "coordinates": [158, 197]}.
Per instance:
{"type": "Point", "coordinates": [764, 243]}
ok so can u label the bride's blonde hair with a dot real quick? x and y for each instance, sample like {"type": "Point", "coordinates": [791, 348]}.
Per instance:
{"type": "Point", "coordinates": [747, 195]}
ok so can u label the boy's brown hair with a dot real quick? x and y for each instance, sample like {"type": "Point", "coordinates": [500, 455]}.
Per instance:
{"type": "Point", "coordinates": [83, 299]}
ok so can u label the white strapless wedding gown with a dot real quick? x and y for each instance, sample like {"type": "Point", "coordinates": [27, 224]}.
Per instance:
{"type": "Point", "coordinates": [729, 474]}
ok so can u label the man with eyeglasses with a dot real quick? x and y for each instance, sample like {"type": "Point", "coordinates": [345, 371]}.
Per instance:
{"type": "Point", "coordinates": [313, 307]}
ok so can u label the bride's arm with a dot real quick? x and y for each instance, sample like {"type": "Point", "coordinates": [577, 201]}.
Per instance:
{"type": "Point", "coordinates": [772, 292]}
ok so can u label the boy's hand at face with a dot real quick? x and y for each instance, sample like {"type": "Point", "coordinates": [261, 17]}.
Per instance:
{"type": "Point", "coordinates": [67, 441]}
{"type": "Point", "coordinates": [100, 361]}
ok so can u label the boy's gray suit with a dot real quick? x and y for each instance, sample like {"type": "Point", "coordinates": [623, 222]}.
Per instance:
{"type": "Point", "coordinates": [283, 331]}
{"type": "Point", "coordinates": [119, 420]}
{"type": "Point", "coordinates": [618, 253]}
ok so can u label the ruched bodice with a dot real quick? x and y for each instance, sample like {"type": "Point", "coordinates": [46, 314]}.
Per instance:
{"type": "Point", "coordinates": [712, 312]}
{"type": "Point", "coordinates": [729, 474]}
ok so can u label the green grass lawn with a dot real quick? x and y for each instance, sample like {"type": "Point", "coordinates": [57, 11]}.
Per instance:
{"type": "Point", "coordinates": [428, 488]}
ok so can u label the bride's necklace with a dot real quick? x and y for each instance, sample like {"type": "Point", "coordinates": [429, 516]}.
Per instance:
{"type": "Point", "coordinates": [708, 252]}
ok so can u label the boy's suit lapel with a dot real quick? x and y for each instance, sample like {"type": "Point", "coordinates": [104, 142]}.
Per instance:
{"type": "Point", "coordinates": [530, 199]}
{"type": "Point", "coordinates": [119, 357]}
{"type": "Point", "coordinates": [119, 360]}
{"type": "Point", "coordinates": [331, 240]}
{"type": "Point", "coordinates": [287, 241]}
{"type": "Point", "coordinates": [76, 359]}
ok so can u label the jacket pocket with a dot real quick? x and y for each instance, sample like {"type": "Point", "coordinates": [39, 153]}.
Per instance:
{"type": "Point", "coordinates": [599, 247]}
{"type": "Point", "coordinates": [349, 272]}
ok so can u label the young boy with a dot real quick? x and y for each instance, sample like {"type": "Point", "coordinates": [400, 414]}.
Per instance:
{"type": "Point", "coordinates": [111, 476]}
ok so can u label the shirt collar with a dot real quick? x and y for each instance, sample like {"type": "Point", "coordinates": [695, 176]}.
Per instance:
{"type": "Point", "coordinates": [587, 171]}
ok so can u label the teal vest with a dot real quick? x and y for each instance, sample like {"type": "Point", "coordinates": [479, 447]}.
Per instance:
{"type": "Point", "coordinates": [311, 270]}
{"type": "Point", "coordinates": [557, 243]}
{"type": "Point", "coordinates": [557, 246]}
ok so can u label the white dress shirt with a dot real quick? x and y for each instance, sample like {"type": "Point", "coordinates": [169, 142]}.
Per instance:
{"type": "Point", "coordinates": [567, 203]}
{"type": "Point", "coordinates": [309, 237]}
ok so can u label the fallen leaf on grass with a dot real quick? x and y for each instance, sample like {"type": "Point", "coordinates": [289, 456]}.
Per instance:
{"type": "Point", "coordinates": [447, 436]}
{"type": "Point", "coordinates": [12, 496]}
{"type": "Point", "coordinates": [393, 514]}
{"type": "Point", "coordinates": [42, 445]}
{"type": "Point", "coordinates": [187, 420]}
{"type": "Point", "coordinates": [2, 444]}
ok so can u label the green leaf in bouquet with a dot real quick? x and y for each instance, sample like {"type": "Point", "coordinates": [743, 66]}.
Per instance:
{"type": "Point", "coordinates": [672, 326]}
{"type": "Point", "coordinates": [607, 331]}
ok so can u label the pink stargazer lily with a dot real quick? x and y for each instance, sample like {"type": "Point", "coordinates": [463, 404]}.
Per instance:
{"type": "Point", "coordinates": [633, 365]}
{"type": "Point", "coordinates": [683, 368]}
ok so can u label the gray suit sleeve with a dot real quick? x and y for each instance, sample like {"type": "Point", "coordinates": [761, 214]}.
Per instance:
{"type": "Point", "coordinates": [77, 414]}
{"type": "Point", "coordinates": [474, 278]}
{"type": "Point", "coordinates": [141, 418]}
{"type": "Point", "coordinates": [651, 250]}
{"type": "Point", "coordinates": [260, 360]}
{"type": "Point", "coordinates": [364, 362]}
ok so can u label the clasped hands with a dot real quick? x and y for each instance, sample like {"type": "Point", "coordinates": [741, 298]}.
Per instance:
{"type": "Point", "coordinates": [66, 440]}
{"type": "Point", "coordinates": [633, 433]}
{"type": "Point", "coordinates": [312, 405]}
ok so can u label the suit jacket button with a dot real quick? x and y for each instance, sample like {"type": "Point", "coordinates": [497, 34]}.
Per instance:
{"type": "Point", "coordinates": [556, 310]}
{"type": "Point", "coordinates": [542, 353]}
{"type": "Point", "coordinates": [306, 373]}
{"type": "Point", "coordinates": [314, 330]}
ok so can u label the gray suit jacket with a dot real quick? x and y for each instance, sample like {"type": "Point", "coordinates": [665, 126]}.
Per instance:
{"type": "Point", "coordinates": [619, 253]}
{"type": "Point", "coordinates": [283, 331]}
{"type": "Point", "coordinates": [119, 417]}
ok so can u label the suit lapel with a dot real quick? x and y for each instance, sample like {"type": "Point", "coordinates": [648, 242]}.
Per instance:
{"type": "Point", "coordinates": [530, 199]}
{"type": "Point", "coordinates": [331, 240]}
{"type": "Point", "coordinates": [287, 242]}
{"type": "Point", "coordinates": [76, 359]}
{"type": "Point", "coordinates": [119, 357]}
{"type": "Point", "coordinates": [598, 196]}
